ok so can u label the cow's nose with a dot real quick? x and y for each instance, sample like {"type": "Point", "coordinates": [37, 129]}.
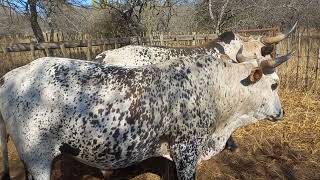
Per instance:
{"type": "Point", "coordinates": [280, 115]}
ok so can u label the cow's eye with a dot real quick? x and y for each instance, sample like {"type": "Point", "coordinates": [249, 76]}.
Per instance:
{"type": "Point", "coordinates": [274, 86]}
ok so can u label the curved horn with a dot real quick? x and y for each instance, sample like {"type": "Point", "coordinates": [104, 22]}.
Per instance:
{"type": "Point", "coordinates": [278, 38]}
{"type": "Point", "coordinates": [270, 63]}
{"type": "Point", "coordinates": [241, 58]}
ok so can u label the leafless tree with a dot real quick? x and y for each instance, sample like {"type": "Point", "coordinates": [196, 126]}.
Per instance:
{"type": "Point", "coordinates": [132, 17]}
{"type": "Point", "coordinates": [27, 8]}
{"type": "Point", "coordinates": [130, 11]}
{"type": "Point", "coordinates": [36, 10]}
{"type": "Point", "coordinates": [222, 15]}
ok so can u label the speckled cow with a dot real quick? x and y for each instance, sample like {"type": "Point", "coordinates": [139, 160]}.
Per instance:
{"type": "Point", "coordinates": [135, 56]}
{"type": "Point", "coordinates": [236, 48]}
{"type": "Point", "coordinates": [227, 43]}
{"type": "Point", "coordinates": [112, 117]}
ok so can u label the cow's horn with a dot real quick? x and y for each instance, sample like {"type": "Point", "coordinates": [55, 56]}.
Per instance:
{"type": "Point", "coordinates": [241, 58]}
{"type": "Point", "coordinates": [278, 38]}
{"type": "Point", "coordinates": [270, 63]}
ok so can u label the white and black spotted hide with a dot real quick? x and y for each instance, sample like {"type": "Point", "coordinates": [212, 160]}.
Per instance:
{"type": "Point", "coordinates": [111, 117]}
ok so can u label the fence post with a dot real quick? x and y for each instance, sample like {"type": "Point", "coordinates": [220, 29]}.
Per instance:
{"type": "Point", "coordinates": [299, 57]}
{"type": "Point", "coordinates": [45, 36]}
{"type": "Point", "coordinates": [115, 43]}
{"type": "Point", "coordinates": [141, 39]}
{"type": "Point", "coordinates": [317, 70]}
{"type": "Point", "coordinates": [287, 68]}
{"type": "Point", "coordinates": [274, 32]}
{"type": "Point", "coordinates": [46, 49]}
{"type": "Point", "coordinates": [306, 80]}
{"type": "Point", "coordinates": [4, 49]}
{"type": "Point", "coordinates": [58, 36]}
{"type": "Point", "coordinates": [62, 36]}
{"type": "Point", "coordinates": [63, 50]}
{"type": "Point", "coordinates": [194, 38]}
{"type": "Point", "coordinates": [104, 46]}
{"type": "Point", "coordinates": [151, 39]}
{"type": "Point", "coordinates": [33, 54]}
{"type": "Point", "coordinates": [89, 50]}
{"type": "Point", "coordinates": [161, 39]}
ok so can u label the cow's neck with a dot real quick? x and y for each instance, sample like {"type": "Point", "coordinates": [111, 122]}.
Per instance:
{"type": "Point", "coordinates": [229, 102]}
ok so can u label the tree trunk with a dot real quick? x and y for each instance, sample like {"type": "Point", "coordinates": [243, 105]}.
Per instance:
{"type": "Point", "coordinates": [169, 15]}
{"type": "Point", "coordinates": [50, 12]}
{"type": "Point", "coordinates": [127, 16]}
{"type": "Point", "coordinates": [210, 10]}
{"type": "Point", "coordinates": [223, 9]}
{"type": "Point", "coordinates": [33, 15]}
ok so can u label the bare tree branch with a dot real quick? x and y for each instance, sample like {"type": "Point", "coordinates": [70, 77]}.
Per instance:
{"type": "Point", "coordinates": [223, 9]}
{"type": "Point", "coordinates": [210, 10]}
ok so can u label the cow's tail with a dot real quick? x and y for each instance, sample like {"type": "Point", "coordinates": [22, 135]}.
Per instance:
{"type": "Point", "coordinates": [4, 148]}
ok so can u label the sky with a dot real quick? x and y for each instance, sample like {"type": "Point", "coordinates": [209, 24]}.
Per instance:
{"type": "Point", "coordinates": [87, 2]}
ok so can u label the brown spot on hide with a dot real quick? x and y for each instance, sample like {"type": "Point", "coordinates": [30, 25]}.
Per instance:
{"type": "Point", "coordinates": [225, 57]}
{"type": "Point", "coordinates": [255, 75]}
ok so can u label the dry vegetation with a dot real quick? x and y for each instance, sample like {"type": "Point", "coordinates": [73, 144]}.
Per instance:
{"type": "Point", "coordinates": [289, 149]}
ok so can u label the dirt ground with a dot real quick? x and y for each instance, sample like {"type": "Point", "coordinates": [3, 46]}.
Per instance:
{"type": "Point", "coordinates": [289, 149]}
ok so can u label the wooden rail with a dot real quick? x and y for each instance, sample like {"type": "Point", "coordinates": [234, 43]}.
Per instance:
{"type": "Point", "coordinates": [20, 47]}
{"type": "Point", "coordinates": [258, 30]}
{"type": "Point", "coordinates": [162, 39]}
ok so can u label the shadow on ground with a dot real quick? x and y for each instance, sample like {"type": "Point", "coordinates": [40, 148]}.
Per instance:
{"type": "Point", "coordinates": [276, 162]}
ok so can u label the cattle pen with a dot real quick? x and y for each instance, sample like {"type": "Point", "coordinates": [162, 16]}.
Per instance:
{"type": "Point", "coordinates": [286, 150]}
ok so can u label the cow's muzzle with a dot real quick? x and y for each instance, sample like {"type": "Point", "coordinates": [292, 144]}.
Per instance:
{"type": "Point", "coordinates": [278, 117]}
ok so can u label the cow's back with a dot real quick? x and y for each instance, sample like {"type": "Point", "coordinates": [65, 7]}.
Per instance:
{"type": "Point", "coordinates": [93, 112]}
{"type": "Point", "coordinates": [136, 56]}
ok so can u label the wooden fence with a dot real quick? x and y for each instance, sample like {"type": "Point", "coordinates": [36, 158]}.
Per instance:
{"type": "Point", "coordinates": [156, 39]}
{"type": "Point", "coordinates": [301, 73]}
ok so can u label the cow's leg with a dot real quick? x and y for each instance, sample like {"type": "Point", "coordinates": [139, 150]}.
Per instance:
{"type": "Point", "coordinates": [38, 163]}
{"type": "Point", "coordinates": [4, 148]}
{"type": "Point", "coordinates": [185, 156]}
{"type": "Point", "coordinates": [231, 144]}
{"type": "Point", "coordinates": [40, 170]}
{"type": "Point", "coordinates": [27, 174]}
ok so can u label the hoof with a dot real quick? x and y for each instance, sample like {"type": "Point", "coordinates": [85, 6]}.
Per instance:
{"type": "Point", "coordinates": [231, 145]}
{"type": "Point", "coordinates": [106, 173]}
{"type": "Point", "coordinates": [5, 176]}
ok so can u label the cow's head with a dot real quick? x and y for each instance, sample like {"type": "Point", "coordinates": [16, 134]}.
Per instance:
{"type": "Point", "coordinates": [243, 93]}
{"type": "Point", "coordinates": [247, 91]}
{"type": "Point", "coordinates": [266, 98]}
{"type": "Point", "coordinates": [261, 46]}
{"type": "Point", "coordinates": [252, 47]}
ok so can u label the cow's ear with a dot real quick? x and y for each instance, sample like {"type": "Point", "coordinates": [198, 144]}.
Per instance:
{"type": "Point", "coordinates": [255, 75]}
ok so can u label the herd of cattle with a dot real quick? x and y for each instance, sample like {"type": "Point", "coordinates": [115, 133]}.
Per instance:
{"type": "Point", "coordinates": [138, 102]}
